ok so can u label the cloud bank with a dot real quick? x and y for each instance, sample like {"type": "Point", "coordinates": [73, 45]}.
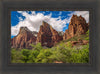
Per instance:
{"type": "Point", "coordinates": [34, 20]}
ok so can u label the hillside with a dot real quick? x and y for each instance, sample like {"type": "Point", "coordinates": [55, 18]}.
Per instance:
{"type": "Point", "coordinates": [76, 40]}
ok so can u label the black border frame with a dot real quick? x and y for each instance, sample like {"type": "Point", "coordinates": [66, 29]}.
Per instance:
{"type": "Point", "coordinates": [7, 67]}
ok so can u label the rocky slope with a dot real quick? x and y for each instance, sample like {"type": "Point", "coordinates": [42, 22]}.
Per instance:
{"type": "Point", "coordinates": [48, 36]}
{"type": "Point", "coordinates": [77, 26]}
{"type": "Point", "coordinates": [23, 39]}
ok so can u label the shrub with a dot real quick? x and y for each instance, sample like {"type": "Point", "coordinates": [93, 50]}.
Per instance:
{"type": "Point", "coordinates": [81, 55]}
{"type": "Point", "coordinates": [16, 56]}
{"type": "Point", "coordinates": [33, 56]}
{"type": "Point", "coordinates": [64, 52]}
{"type": "Point", "coordinates": [37, 46]}
{"type": "Point", "coordinates": [25, 54]}
{"type": "Point", "coordinates": [43, 56]}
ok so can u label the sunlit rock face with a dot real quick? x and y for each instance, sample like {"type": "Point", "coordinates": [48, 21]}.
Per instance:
{"type": "Point", "coordinates": [23, 39]}
{"type": "Point", "coordinates": [48, 36]}
{"type": "Point", "coordinates": [77, 26]}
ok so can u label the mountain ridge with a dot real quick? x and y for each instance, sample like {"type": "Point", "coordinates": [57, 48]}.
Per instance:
{"type": "Point", "coordinates": [47, 35]}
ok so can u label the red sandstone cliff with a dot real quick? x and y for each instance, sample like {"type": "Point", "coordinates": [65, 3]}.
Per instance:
{"type": "Point", "coordinates": [48, 36]}
{"type": "Point", "coordinates": [77, 26]}
{"type": "Point", "coordinates": [23, 39]}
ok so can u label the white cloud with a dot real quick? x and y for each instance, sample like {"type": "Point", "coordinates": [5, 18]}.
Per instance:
{"type": "Point", "coordinates": [33, 22]}
{"type": "Point", "coordinates": [20, 19]}
{"type": "Point", "coordinates": [84, 14]}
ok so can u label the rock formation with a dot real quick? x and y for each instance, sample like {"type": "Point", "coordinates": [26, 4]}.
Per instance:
{"type": "Point", "coordinates": [23, 39]}
{"type": "Point", "coordinates": [79, 42]}
{"type": "Point", "coordinates": [77, 26]}
{"type": "Point", "coordinates": [48, 36]}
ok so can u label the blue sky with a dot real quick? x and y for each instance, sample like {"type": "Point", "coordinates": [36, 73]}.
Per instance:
{"type": "Point", "coordinates": [59, 20]}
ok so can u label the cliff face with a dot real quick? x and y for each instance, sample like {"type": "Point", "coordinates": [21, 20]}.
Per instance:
{"type": "Point", "coordinates": [48, 36]}
{"type": "Point", "coordinates": [23, 39]}
{"type": "Point", "coordinates": [77, 26]}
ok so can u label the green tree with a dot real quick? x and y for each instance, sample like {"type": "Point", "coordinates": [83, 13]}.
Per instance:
{"type": "Point", "coordinates": [16, 56]}
{"type": "Point", "coordinates": [80, 55]}
{"type": "Point", "coordinates": [33, 56]}
{"type": "Point", "coordinates": [43, 56]}
{"type": "Point", "coordinates": [37, 46]}
{"type": "Point", "coordinates": [25, 53]}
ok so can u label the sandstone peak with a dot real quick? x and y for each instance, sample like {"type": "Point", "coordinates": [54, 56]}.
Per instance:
{"type": "Point", "coordinates": [48, 36]}
{"type": "Point", "coordinates": [23, 39]}
{"type": "Point", "coordinates": [74, 15]}
{"type": "Point", "coordinates": [44, 23]}
{"type": "Point", "coordinates": [80, 16]}
{"type": "Point", "coordinates": [77, 26]}
{"type": "Point", "coordinates": [24, 29]}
